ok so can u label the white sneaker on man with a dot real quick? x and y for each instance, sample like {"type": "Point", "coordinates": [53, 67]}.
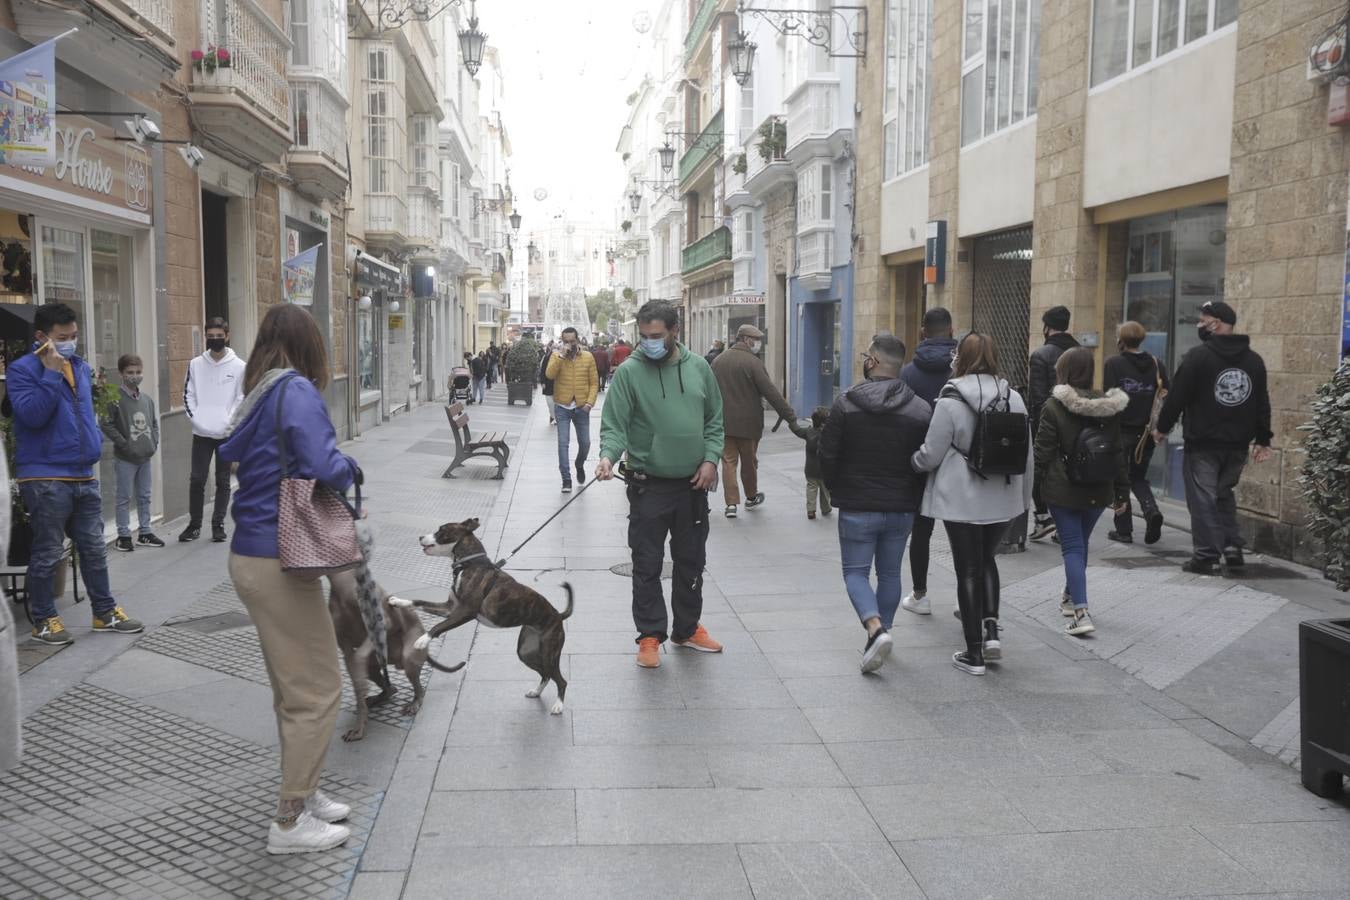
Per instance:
{"type": "Point", "coordinates": [307, 835]}
{"type": "Point", "coordinates": [917, 603]}
{"type": "Point", "coordinates": [325, 808]}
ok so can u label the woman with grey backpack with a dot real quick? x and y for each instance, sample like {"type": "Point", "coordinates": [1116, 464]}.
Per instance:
{"type": "Point", "coordinates": [1080, 465]}
{"type": "Point", "coordinates": [977, 486]}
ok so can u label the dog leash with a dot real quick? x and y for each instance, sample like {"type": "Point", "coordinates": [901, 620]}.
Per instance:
{"type": "Point", "coordinates": [501, 563]}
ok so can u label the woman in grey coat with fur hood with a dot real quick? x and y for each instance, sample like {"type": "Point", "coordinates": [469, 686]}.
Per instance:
{"type": "Point", "coordinates": [975, 510]}
{"type": "Point", "coordinates": [1080, 465]}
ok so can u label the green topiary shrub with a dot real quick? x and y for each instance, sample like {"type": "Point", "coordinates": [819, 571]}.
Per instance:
{"type": "Point", "coordinates": [522, 363]}
{"type": "Point", "coordinates": [1326, 474]}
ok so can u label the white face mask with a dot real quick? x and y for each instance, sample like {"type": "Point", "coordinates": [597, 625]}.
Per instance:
{"type": "Point", "coordinates": [755, 346]}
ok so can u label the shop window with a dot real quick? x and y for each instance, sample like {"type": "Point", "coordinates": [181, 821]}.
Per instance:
{"type": "Point", "coordinates": [63, 267]}
{"type": "Point", "coordinates": [365, 349]}
{"type": "Point", "coordinates": [1128, 33]}
{"type": "Point", "coordinates": [112, 329]}
{"type": "Point", "coordinates": [999, 75]}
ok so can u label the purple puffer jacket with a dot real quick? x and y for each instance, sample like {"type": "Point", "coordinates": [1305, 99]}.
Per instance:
{"type": "Point", "coordinates": [314, 454]}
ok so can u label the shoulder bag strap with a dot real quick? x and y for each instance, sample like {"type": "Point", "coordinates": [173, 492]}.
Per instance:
{"type": "Point", "coordinates": [282, 450]}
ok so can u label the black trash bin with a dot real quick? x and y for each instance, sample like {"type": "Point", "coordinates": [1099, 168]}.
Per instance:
{"type": "Point", "coordinates": [1324, 704]}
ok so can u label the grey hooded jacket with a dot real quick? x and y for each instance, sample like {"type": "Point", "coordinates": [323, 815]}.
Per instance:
{"type": "Point", "coordinates": [955, 493]}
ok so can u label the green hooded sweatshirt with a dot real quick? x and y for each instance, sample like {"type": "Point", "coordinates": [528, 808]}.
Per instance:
{"type": "Point", "coordinates": [667, 416]}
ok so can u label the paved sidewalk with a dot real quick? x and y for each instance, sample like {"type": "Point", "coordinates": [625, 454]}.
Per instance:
{"type": "Point", "coordinates": [150, 764]}
{"type": "Point", "coordinates": [1122, 766]}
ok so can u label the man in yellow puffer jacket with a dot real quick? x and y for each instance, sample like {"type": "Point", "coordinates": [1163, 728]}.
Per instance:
{"type": "Point", "coordinates": [576, 382]}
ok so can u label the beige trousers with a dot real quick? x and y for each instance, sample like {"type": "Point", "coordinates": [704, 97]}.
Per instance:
{"type": "Point", "coordinates": [744, 451]}
{"type": "Point", "coordinates": [300, 649]}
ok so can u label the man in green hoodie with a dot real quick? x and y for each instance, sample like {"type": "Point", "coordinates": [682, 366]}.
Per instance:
{"type": "Point", "coordinates": [665, 413]}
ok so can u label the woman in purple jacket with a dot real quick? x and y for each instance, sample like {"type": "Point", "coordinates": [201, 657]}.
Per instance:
{"type": "Point", "coordinates": [294, 627]}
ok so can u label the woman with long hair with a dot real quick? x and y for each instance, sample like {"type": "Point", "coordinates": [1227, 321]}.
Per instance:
{"type": "Point", "coordinates": [1080, 466]}
{"type": "Point", "coordinates": [975, 509]}
{"type": "Point", "coordinates": [289, 366]}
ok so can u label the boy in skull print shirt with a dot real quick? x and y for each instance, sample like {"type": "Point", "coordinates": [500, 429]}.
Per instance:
{"type": "Point", "coordinates": [133, 428]}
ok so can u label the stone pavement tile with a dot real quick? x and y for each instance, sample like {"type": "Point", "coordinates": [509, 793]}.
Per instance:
{"type": "Point", "coordinates": [718, 816]}
{"type": "Point", "coordinates": [523, 818]}
{"type": "Point", "coordinates": [847, 637]}
{"type": "Point", "coordinates": [773, 766]}
{"type": "Point", "coordinates": [816, 616]}
{"type": "Point", "coordinates": [692, 726]}
{"type": "Point", "coordinates": [505, 873]}
{"type": "Point", "coordinates": [827, 872]}
{"type": "Point", "coordinates": [676, 663]}
{"type": "Point", "coordinates": [955, 806]}
{"type": "Point", "coordinates": [1095, 802]}
{"type": "Point", "coordinates": [625, 693]}
{"type": "Point", "coordinates": [1157, 750]}
{"type": "Point", "coordinates": [817, 664]}
{"type": "Point", "coordinates": [1103, 865]}
{"type": "Point", "coordinates": [485, 728]}
{"type": "Point", "coordinates": [502, 667]}
{"type": "Point", "coordinates": [1293, 856]}
{"type": "Point", "coordinates": [897, 720]}
{"type": "Point", "coordinates": [139, 673]}
{"type": "Point", "coordinates": [516, 767]}
{"type": "Point", "coordinates": [371, 759]}
{"type": "Point", "coordinates": [760, 607]}
{"type": "Point", "coordinates": [969, 719]}
{"type": "Point", "coordinates": [236, 707]}
{"type": "Point", "coordinates": [753, 693]}
{"type": "Point", "coordinates": [377, 886]}
{"type": "Point", "coordinates": [909, 674]}
{"type": "Point", "coordinates": [394, 837]}
{"type": "Point", "coordinates": [1001, 756]}
{"type": "Point", "coordinates": [1070, 712]}
{"type": "Point", "coordinates": [732, 582]}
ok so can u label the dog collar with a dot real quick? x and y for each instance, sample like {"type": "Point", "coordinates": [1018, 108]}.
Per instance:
{"type": "Point", "coordinates": [463, 562]}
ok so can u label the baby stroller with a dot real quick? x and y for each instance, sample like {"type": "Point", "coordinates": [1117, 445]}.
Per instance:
{"type": "Point", "coordinates": [460, 379]}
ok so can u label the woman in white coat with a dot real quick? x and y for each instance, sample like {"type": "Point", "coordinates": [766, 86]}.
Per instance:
{"type": "Point", "coordinates": [975, 510]}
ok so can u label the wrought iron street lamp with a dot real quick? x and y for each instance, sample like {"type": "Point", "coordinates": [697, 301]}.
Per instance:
{"type": "Point", "coordinates": [515, 221]}
{"type": "Point", "coordinates": [742, 52]}
{"type": "Point", "coordinates": [667, 154]}
{"type": "Point", "coordinates": [472, 42]}
{"type": "Point", "coordinates": [635, 199]}
{"type": "Point", "coordinates": [397, 13]}
{"type": "Point", "coordinates": [818, 27]}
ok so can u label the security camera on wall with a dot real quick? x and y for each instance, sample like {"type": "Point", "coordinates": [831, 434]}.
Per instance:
{"type": "Point", "coordinates": [192, 155]}
{"type": "Point", "coordinates": [142, 130]}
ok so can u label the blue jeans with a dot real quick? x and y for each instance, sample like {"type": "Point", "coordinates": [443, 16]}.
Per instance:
{"type": "Point", "coordinates": [479, 389]}
{"type": "Point", "coordinates": [865, 537]}
{"type": "Point", "coordinates": [582, 420]}
{"type": "Point", "coordinates": [57, 509]}
{"type": "Point", "coordinates": [132, 476]}
{"type": "Point", "coordinates": [1075, 527]}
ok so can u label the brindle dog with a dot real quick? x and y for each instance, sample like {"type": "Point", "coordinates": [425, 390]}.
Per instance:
{"type": "Point", "coordinates": [484, 592]}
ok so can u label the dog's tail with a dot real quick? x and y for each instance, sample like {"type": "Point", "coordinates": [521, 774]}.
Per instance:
{"type": "Point", "coordinates": [418, 604]}
{"type": "Point", "coordinates": [443, 668]}
{"type": "Point", "coordinates": [568, 611]}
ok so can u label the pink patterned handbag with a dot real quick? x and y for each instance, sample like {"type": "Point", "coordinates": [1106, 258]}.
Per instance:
{"type": "Point", "coordinates": [316, 526]}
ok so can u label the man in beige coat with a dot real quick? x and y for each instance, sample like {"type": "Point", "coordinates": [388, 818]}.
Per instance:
{"type": "Point", "coordinates": [744, 381]}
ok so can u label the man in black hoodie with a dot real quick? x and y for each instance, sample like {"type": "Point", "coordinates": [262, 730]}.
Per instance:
{"type": "Point", "coordinates": [927, 373]}
{"type": "Point", "coordinates": [1042, 380]}
{"type": "Point", "coordinates": [1220, 389]}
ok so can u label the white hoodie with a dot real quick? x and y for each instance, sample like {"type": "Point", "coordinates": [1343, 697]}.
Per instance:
{"type": "Point", "coordinates": [213, 391]}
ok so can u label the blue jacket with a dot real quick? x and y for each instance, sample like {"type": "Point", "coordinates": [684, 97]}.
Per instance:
{"type": "Point", "coordinates": [312, 443]}
{"type": "Point", "coordinates": [56, 431]}
{"type": "Point", "coordinates": [931, 367]}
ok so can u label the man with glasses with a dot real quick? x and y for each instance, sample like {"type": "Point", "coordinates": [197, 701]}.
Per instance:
{"type": "Point", "coordinates": [663, 411]}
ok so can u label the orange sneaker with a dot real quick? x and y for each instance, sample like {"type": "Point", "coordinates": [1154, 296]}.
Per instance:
{"type": "Point", "coordinates": [649, 653]}
{"type": "Point", "coordinates": [700, 640]}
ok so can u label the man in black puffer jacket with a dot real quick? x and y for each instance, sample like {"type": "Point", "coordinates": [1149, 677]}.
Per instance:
{"type": "Point", "coordinates": [865, 447]}
{"type": "Point", "coordinates": [1220, 389]}
{"type": "Point", "coordinates": [1041, 381]}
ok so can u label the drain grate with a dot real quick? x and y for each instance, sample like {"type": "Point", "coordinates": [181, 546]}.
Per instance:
{"type": "Point", "coordinates": [222, 622]}
{"type": "Point", "coordinates": [626, 570]}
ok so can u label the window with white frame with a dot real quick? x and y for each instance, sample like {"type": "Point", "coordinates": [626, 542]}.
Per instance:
{"type": "Point", "coordinates": [299, 32]}
{"type": "Point", "coordinates": [455, 212]}
{"type": "Point", "coordinates": [745, 233]}
{"type": "Point", "coordinates": [826, 192]}
{"type": "Point", "coordinates": [379, 141]}
{"type": "Point", "coordinates": [746, 115]}
{"type": "Point", "coordinates": [1128, 33]}
{"type": "Point", "coordinates": [806, 196]}
{"type": "Point", "coordinates": [909, 59]}
{"type": "Point", "coordinates": [999, 71]}
{"type": "Point", "coordinates": [476, 229]}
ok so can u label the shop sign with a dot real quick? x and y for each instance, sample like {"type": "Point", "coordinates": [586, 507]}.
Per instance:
{"type": "Point", "coordinates": [318, 219]}
{"type": "Point", "coordinates": [395, 322]}
{"type": "Point", "coordinates": [90, 163]}
{"type": "Point", "coordinates": [379, 276]}
{"type": "Point", "coordinates": [745, 300]}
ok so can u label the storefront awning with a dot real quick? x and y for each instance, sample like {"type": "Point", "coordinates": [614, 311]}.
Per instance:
{"type": "Point", "coordinates": [373, 273]}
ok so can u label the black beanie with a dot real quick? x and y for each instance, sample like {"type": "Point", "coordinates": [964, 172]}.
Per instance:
{"type": "Point", "coordinates": [1056, 318]}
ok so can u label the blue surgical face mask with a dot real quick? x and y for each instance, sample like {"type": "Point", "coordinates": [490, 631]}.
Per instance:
{"type": "Point", "coordinates": [66, 348]}
{"type": "Point", "coordinates": [654, 348]}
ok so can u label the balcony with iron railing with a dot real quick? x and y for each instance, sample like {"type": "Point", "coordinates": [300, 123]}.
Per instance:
{"type": "Point", "coordinates": [766, 161]}
{"type": "Point", "coordinates": [811, 115]}
{"type": "Point", "coordinates": [714, 247]}
{"type": "Point", "coordinates": [386, 214]}
{"type": "Point", "coordinates": [243, 98]}
{"type": "Point", "coordinates": [127, 45]}
{"type": "Point", "coordinates": [698, 27]}
{"type": "Point", "coordinates": [319, 123]}
{"type": "Point", "coordinates": [707, 146]}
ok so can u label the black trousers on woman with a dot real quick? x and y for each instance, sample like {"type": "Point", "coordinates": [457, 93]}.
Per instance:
{"type": "Point", "coordinates": [973, 550]}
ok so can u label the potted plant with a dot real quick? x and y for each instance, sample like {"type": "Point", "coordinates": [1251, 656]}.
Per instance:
{"type": "Point", "coordinates": [522, 370]}
{"type": "Point", "coordinates": [738, 164]}
{"type": "Point", "coordinates": [626, 224]}
{"type": "Point", "coordinates": [773, 141]}
{"type": "Point", "coordinates": [212, 58]}
{"type": "Point", "coordinates": [1326, 474]}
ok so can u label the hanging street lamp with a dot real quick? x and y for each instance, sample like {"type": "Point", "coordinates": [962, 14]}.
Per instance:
{"type": "Point", "coordinates": [635, 199]}
{"type": "Point", "coordinates": [742, 52]}
{"type": "Point", "coordinates": [515, 221]}
{"type": "Point", "coordinates": [667, 153]}
{"type": "Point", "coordinates": [472, 42]}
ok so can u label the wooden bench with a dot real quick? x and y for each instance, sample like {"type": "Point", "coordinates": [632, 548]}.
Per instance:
{"type": "Point", "coordinates": [467, 445]}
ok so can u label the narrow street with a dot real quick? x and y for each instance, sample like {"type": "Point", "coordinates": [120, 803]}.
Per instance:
{"type": "Point", "coordinates": [774, 770]}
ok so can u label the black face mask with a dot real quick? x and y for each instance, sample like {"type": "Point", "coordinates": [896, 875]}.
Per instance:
{"type": "Point", "coordinates": [1204, 332]}
{"type": "Point", "coordinates": [215, 345]}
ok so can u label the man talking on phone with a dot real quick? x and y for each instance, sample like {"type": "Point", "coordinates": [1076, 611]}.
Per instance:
{"type": "Point", "coordinates": [59, 443]}
{"type": "Point", "coordinates": [576, 382]}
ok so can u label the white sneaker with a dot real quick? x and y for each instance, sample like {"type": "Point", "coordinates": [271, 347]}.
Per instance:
{"type": "Point", "coordinates": [877, 651]}
{"type": "Point", "coordinates": [1066, 606]}
{"type": "Point", "coordinates": [325, 808]}
{"type": "Point", "coordinates": [307, 835]}
{"type": "Point", "coordinates": [1080, 624]}
{"type": "Point", "coordinates": [917, 603]}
